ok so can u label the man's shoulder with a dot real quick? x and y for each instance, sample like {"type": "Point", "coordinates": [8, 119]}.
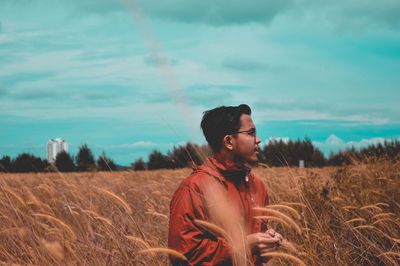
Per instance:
{"type": "Point", "coordinates": [257, 182]}
{"type": "Point", "coordinates": [255, 177]}
{"type": "Point", "coordinates": [199, 177]}
{"type": "Point", "coordinates": [196, 184]}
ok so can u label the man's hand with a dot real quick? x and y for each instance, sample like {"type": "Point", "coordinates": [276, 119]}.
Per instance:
{"type": "Point", "coordinates": [263, 242]}
{"type": "Point", "coordinates": [272, 233]}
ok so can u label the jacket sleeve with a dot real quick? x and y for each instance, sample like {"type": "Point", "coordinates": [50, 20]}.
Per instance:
{"type": "Point", "coordinates": [186, 237]}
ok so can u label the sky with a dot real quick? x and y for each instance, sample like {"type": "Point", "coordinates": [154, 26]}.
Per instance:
{"type": "Point", "coordinates": [130, 76]}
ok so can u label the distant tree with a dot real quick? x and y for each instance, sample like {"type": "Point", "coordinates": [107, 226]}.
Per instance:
{"type": "Point", "coordinates": [345, 157]}
{"type": "Point", "coordinates": [64, 162]}
{"type": "Point", "coordinates": [84, 159]}
{"type": "Point", "coordinates": [105, 164]}
{"type": "Point", "coordinates": [5, 164]}
{"type": "Point", "coordinates": [26, 162]}
{"type": "Point", "coordinates": [275, 153]}
{"type": "Point", "coordinates": [389, 148]}
{"type": "Point", "coordinates": [280, 153]}
{"type": "Point", "coordinates": [188, 155]}
{"type": "Point", "coordinates": [318, 158]}
{"type": "Point", "coordinates": [157, 160]}
{"type": "Point", "coordinates": [139, 165]}
{"type": "Point", "coordinates": [47, 167]}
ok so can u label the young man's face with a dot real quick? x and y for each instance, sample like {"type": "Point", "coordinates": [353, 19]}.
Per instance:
{"type": "Point", "coordinates": [245, 144]}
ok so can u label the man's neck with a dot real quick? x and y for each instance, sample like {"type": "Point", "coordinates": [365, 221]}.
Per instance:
{"type": "Point", "coordinates": [224, 156]}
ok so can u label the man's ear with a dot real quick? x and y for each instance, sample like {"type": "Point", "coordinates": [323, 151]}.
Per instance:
{"type": "Point", "coordinates": [228, 142]}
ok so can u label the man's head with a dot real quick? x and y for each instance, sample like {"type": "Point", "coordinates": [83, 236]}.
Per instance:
{"type": "Point", "coordinates": [230, 129]}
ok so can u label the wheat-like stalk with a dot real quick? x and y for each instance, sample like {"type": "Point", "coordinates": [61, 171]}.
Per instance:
{"type": "Point", "coordinates": [356, 220]}
{"type": "Point", "coordinates": [167, 251]}
{"type": "Point", "coordinates": [282, 216]}
{"type": "Point", "coordinates": [389, 255]}
{"type": "Point", "coordinates": [386, 220]}
{"type": "Point", "coordinates": [299, 204]}
{"type": "Point", "coordinates": [118, 199]}
{"type": "Point", "coordinates": [384, 204]}
{"type": "Point", "coordinates": [383, 215]}
{"type": "Point", "coordinates": [349, 207]}
{"type": "Point", "coordinates": [20, 201]}
{"type": "Point", "coordinates": [66, 227]}
{"type": "Point", "coordinates": [337, 199]}
{"type": "Point", "coordinates": [212, 228]}
{"type": "Point", "coordinates": [397, 240]}
{"type": "Point", "coordinates": [157, 214]}
{"type": "Point", "coordinates": [288, 246]}
{"type": "Point", "coordinates": [365, 227]}
{"type": "Point", "coordinates": [273, 218]}
{"type": "Point", "coordinates": [104, 220]}
{"type": "Point", "coordinates": [138, 240]}
{"type": "Point", "coordinates": [371, 207]}
{"type": "Point", "coordinates": [289, 209]}
{"type": "Point", "coordinates": [282, 255]}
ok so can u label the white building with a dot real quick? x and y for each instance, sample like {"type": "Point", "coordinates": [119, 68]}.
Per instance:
{"type": "Point", "coordinates": [54, 147]}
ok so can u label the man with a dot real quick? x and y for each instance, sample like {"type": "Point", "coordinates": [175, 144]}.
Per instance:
{"type": "Point", "coordinates": [231, 134]}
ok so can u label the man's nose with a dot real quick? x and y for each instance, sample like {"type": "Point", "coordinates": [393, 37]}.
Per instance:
{"type": "Point", "coordinates": [258, 141]}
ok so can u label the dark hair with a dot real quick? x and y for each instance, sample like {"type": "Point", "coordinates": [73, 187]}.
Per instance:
{"type": "Point", "coordinates": [222, 121]}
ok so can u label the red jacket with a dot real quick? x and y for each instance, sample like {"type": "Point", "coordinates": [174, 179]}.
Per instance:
{"type": "Point", "coordinates": [244, 191]}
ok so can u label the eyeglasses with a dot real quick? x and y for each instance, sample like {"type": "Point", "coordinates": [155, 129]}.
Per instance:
{"type": "Point", "coordinates": [251, 132]}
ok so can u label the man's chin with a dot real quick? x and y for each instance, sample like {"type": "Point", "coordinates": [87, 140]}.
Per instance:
{"type": "Point", "coordinates": [253, 161]}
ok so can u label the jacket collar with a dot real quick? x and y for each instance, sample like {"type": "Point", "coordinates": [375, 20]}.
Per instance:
{"type": "Point", "coordinates": [226, 170]}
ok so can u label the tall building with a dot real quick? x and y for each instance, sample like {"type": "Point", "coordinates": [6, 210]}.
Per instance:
{"type": "Point", "coordinates": [54, 147]}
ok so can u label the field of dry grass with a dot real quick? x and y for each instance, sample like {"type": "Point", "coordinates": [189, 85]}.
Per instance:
{"type": "Point", "coordinates": [346, 216]}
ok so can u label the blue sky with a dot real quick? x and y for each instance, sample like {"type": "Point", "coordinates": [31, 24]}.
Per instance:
{"type": "Point", "coordinates": [130, 76]}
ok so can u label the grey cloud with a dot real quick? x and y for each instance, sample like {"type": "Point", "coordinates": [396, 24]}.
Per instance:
{"type": "Point", "coordinates": [98, 96]}
{"type": "Point", "coordinates": [347, 14]}
{"type": "Point", "coordinates": [36, 94]}
{"type": "Point", "coordinates": [101, 6]}
{"type": "Point", "coordinates": [74, 6]}
{"type": "Point", "coordinates": [9, 86]}
{"type": "Point", "coordinates": [355, 14]}
{"type": "Point", "coordinates": [334, 109]}
{"type": "Point", "coordinates": [14, 79]}
{"type": "Point", "coordinates": [243, 64]}
{"type": "Point", "coordinates": [343, 15]}
{"type": "Point", "coordinates": [212, 95]}
{"type": "Point", "coordinates": [368, 12]}
{"type": "Point", "coordinates": [219, 12]}
{"type": "Point", "coordinates": [309, 106]}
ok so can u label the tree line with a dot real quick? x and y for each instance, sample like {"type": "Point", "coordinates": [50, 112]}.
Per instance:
{"type": "Point", "coordinates": [83, 161]}
{"type": "Point", "coordinates": [276, 153]}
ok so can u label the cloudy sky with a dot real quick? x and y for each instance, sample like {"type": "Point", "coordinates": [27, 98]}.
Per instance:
{"type": "Point", "coordinates": [130, 76]}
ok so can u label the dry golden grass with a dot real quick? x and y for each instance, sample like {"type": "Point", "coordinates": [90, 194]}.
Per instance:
{"type": "Point", "coordinates": [167, 251]}
{"type": "Point", "coordinates": [346, 216]}
{"type": "Point", "coordinates": [212, 228]}
{"type": "Point", "coordinates": [286, 256]}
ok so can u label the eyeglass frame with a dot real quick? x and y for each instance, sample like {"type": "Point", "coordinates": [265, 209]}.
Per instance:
{"type": "Point", "coordinates": [251, 132]}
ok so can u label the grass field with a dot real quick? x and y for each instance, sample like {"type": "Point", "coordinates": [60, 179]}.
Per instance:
{"type": "Point", "coordinates": [346, 216]}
